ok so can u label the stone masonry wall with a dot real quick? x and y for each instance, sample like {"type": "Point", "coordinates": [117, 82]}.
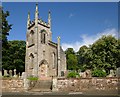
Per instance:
{"type": "Point", "coordinates": [68, 85]}
{"type": "Point", "coordinates": [87, 84]}
{"type": "Point", "coordinates": [12, 85]}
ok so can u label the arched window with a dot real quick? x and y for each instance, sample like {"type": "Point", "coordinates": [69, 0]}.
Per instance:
{"type": "Point", "coordinates": [31, 61]}
{"type": "Point", "coordinates": [31, 37]}
{"type": "Point", "coordinates": [43, 36]}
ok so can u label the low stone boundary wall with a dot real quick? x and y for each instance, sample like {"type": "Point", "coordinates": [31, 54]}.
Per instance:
{"type": "Point", "coordinates": [87, 84]}
{"type": "Point", "coordinates": [12, 85]}
{"type": "Point", "coordinates": [68, 85]}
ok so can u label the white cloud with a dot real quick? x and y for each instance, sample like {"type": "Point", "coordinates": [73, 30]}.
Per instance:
{"type": "Point", "coordinates": [87, 39]}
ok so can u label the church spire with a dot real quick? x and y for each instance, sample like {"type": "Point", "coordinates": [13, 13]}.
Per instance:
{"type": "Point", "coordinates": [49, 18]}
{"type": "Point", "coordinates": [28, 20]}
{"type": "Point", "coordinates": [36, 14]}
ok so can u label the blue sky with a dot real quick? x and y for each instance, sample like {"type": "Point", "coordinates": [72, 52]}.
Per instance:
{"type": "Point", "coordinates": [76, 23]}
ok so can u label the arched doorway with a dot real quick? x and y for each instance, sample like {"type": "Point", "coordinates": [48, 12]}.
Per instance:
{"type": "Point", "coordinates": [43, 69]}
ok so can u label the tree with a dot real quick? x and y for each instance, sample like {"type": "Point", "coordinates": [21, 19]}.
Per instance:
{"type": "Point", "coordinates": [16, 56]}
{"type": "Point", "coordinates": [81, 57]}
{"type": "Point", "coordinates": [69, 51]}
{"type": "Point", "coordinates": [5, 28]}
{"type": "Point", "coordinates": [13, 52]}
{"type": "Point", "coordinates": [5, 32]}
{"type": "Point", "coordinates": [71, 59]}
{"type": "Point", "coordinates": [117, 54]}
{"type": "Point", "coordinates": [105, 53]}
{"type": "Point", "coordinates": [72, 62]}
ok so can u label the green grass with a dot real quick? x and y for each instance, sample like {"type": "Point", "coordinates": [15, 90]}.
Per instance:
{"type": "Point", "coordinates": [32, 78]}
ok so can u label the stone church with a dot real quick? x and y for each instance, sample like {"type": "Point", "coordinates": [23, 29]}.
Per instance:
{"type": "Point", "coordinates": [44, 58]}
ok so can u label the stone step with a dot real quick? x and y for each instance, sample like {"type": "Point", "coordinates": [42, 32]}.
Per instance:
{"type": "Point", "coordinates": [41, 90]}
{"type": "Point", "coordinates": [42, 85]}
{"type": "Point", "coordinates": [45, 78]}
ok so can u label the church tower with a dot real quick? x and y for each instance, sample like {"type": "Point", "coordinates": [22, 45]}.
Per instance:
{"type": "Point", "coordinates": [44, 58]}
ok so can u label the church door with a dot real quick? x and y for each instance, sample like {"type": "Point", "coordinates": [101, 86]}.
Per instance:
{"type": "Point", "coordinates": [43, 70]}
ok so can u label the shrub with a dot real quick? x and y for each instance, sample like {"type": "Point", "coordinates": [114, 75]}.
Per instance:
{"type": "Point", "coordinates": [99, 73]}
{"type": "Point", "coordinates": [73, 75]}
{"type": "Point", "coordinates": [32, 78]}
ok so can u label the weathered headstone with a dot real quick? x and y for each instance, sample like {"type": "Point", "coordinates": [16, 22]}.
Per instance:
{"type": "Point", "coordinates": [83, 74]}
{"type": "Point", "coordinates": [23, 75]}
{"type": "Point", "coordinates": [19, 75]}
{"type": "Point", "coordinates": [5, 73]}
{"type": "Point", "coordinates": [118, 72]}
{"type": "Point", "coordinates": [88, 73]}
{"type": "Point", "coordinates": [10, 73]}
{"type": "Point", "coordinates": [15, 73]}
{"type": "Point", "coordinates": [112, 74]}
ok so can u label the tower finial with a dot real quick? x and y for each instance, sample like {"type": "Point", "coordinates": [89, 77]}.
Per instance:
{"type": "Point", "coordinates": [28, 20]}
{"type": "Point", "coordinates": [36, 14]}
{"type": "Point", "coordinates": [49, 18]}
{"type": "Point", "coordinates": [36, 7]}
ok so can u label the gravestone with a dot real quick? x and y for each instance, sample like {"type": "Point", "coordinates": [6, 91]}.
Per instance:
{"type": "Point", "coordinates": [112, 74]}
{"type": "Point", "coordinates": [5, 73]}
{"type": "Point", "coordinates": [88, 73]}
{"type": "Point", "coordinates": [15, 73]}
{"type": "Point", "coordinates": [23, 75]}
{"type": "Point", "coordinates": [83, 74]}
{"type": "Point", "coordinates": [19, 75]}
{"type": "Point", "coordinates": [10, 73]}
{"type": "Point", "coordinates": [118, 72]}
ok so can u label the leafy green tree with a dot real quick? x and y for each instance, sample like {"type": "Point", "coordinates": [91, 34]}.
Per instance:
{"type": "Point", "coordinates": [71, 59]}
{"type": "Point", "coordinates": [5, 28]}
{"type": "Point", "coordinates": [72, 62]}
{"type": "Point", "coordinates": [69, 51]}
{"type": "Point", "coordinates": [81, 54]}
{"type": "Point", "coordinates": [105, 53]}
{"type": "Point", "coordinates": [13, 52]}
{"type": "Point", "coordinates": [84, 56]}
{"type": "Point", "coordinates": [117, 54]}
{"type": "Point", "coordinates": [16, 56]}
{"type": "Point", "coordinates": [5, 32]}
